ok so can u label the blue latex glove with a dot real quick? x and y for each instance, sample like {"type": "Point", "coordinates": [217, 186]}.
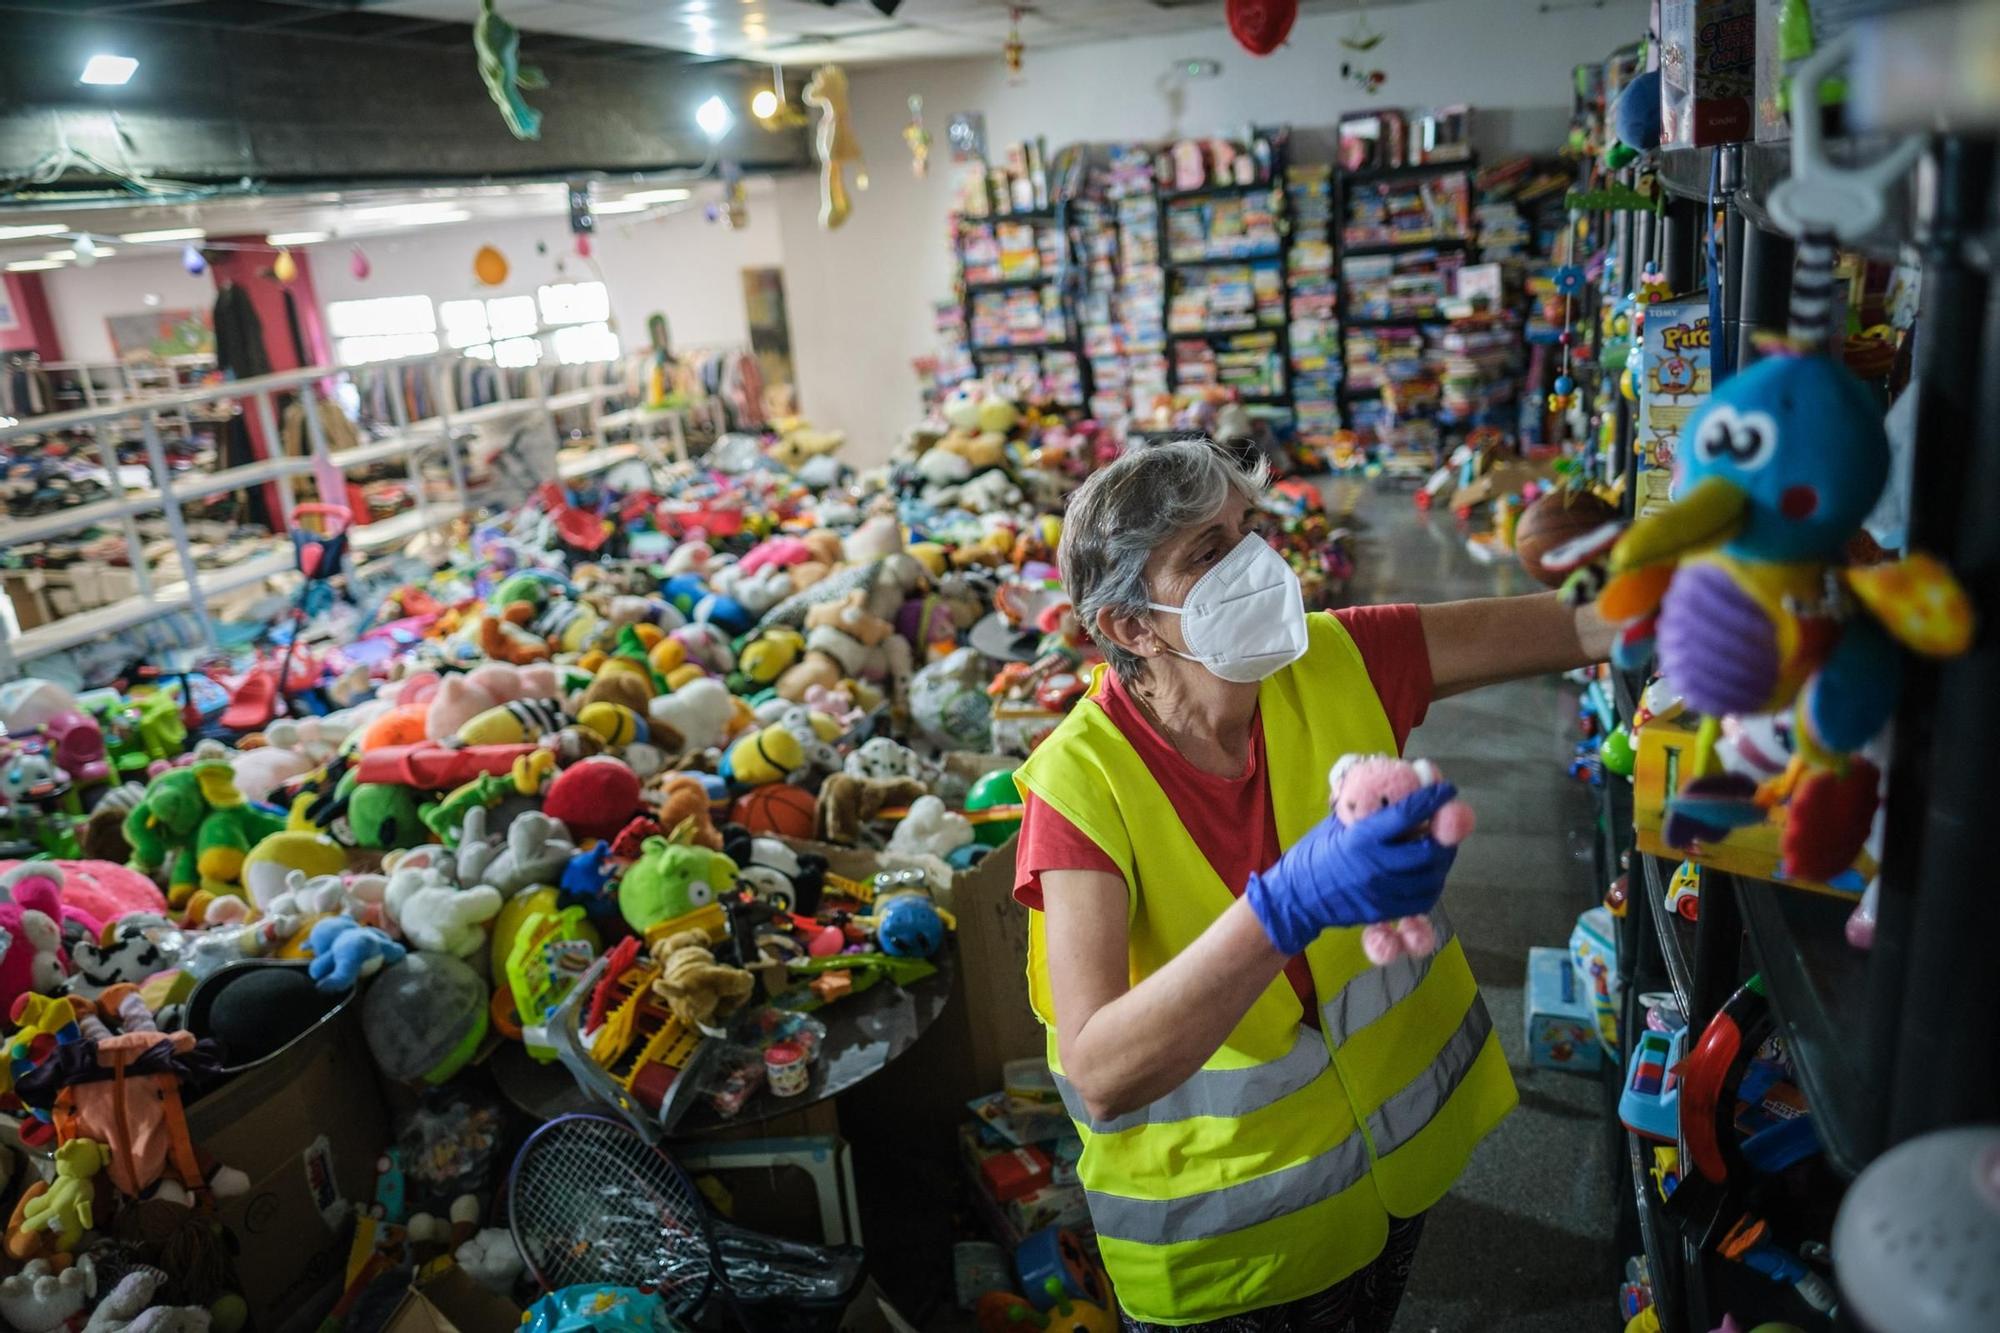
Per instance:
{"type": "Point", "coordinates": [1354, 874]}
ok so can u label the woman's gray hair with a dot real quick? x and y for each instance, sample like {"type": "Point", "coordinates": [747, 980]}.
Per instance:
{"type": "Point", "coordinates": [1120, 515]}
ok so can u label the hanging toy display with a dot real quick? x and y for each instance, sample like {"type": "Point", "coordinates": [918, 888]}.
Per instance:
{"type": "Point", "coordinates": [835, 143]}
{"type": "Point", "coordinates": [86, 249]}
{"type": "Point", "coordinates": [918, 138]}
{"type": "Point", "coordinates": [357, 264]}
{"type": "Point", "coordinates": [498, 44]}
{"type": "Point", "coordinates": [1013, 48]}
{"type": "Point", "coordinates": [1568, 281]}
{"type": "Point", "coordinates": [1740, 583]}
{"type": "Point", "coordinates": [659, 369]}
{"type": "Point", "coordinates": [1361, 34]}
{"type": "Point", "coordinates": [489, 266]}
{"type": "Point", "coordinates": [194, 261]}
{"type": "Point", "coordinates": [1367, 80]}
{"type": "Point", "coordinates": [1261, 26]}
{"type": "Point", "coordinates": [285, 268]}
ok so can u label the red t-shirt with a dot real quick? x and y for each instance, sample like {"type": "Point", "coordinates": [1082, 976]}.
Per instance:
{"type": "Point", "coordinates": [1218, 811]}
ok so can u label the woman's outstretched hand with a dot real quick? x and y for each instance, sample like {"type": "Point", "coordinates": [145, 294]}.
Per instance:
{"type": "Point", "coordinates": [1354, 874]}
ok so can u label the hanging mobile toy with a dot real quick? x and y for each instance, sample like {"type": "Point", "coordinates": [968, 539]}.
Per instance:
{"type": "Point", "coordinates": [837, 147]}
{"type": "Point", "coordinates": [1741, 582]}
{"type": "Point", "coordinates": [1011, 50]}
{"type": "Point", "coordinates": [918, 138]}
{"type": "Point", "coordinates": [498, 44]}
{"type": "Point", "coordinates": [1367, 80]}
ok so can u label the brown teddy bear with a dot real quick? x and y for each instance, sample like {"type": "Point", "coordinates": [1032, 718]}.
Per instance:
{"type": "Point", "coordinates": [694, 986]}
{"type": "Point", "coordinates": [847, 804]}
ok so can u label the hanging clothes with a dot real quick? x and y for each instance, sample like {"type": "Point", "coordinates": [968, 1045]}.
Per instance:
{"type": "Point", "coordinates": [239, 334]}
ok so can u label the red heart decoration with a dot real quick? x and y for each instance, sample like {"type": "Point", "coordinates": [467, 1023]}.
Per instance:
{"type": "Point", "coordinates": [1261, 26]}
{"type": "Point", "coordinates": [1827, 821]}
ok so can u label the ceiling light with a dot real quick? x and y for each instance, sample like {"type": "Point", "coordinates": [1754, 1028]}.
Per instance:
{"type": "Point", "coordinates": [714, 118]}
{"type": "Point", "coordinates": [698, 22]}
{"type": "Point", "coordinates": [295, 238]}
{"type": "Point", "coordinates": [33, 265]}
{"type": "Point", "coordinates": [108, 70]}
{"type": "Point", "coordinates": [655, 197]}
{"type": "Point", "coordinates": [33, 229]}
{"type": "Point", "coordinates": [619, 206]}
{"type": "Point", "coordinates": [171, 234]}
{"type": "Point", "coordinates": [89, 254]}
{"type": "Point", "coordinates": [764, 105]}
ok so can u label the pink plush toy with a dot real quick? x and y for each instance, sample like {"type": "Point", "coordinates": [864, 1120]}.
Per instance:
{"type": "Point", "coordinates": [1361, 784]}
{"type": "Point", "coordinates": [93, 894]}
{"type": "Point", "coordinates": [783, 551]}
{"type": "Point", "coordinates": [461, 698]}
{"type": "Point", "coordinates": [31, 931]}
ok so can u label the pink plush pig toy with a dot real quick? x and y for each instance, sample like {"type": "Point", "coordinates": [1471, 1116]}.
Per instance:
{"type": "Point", "coordinates": [1360, 785]}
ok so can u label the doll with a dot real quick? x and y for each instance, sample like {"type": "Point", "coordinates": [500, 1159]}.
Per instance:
{"type": "Point", "coordinates": [1359, 785]}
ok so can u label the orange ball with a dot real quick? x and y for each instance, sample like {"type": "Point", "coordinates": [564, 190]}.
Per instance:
{"type": "Point", "coordinates": [777, 808]}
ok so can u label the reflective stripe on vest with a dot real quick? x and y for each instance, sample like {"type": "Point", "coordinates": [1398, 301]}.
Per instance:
{"type": "Point", "coordinates": [1271, 1172]}
{"type": "Point", "coordinates": [1215, 1092]}
{"type": "Point", "coordinates": [1373, 993]}
{"type": "Point", "coordinates": [1234, 1207]}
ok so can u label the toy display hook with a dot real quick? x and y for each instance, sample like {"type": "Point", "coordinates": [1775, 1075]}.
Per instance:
{"type": "Point", "coordinates": [1823, 202]}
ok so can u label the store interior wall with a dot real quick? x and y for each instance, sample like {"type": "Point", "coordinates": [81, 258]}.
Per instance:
{"type": "Point", "coordinates": [31, 325]}
{"type": "Point", "coordinates": [677, 262]}
{"type": "Point", "coordinates": [83, 299]}
{"type": "Point", "coordinates": [861, 297]}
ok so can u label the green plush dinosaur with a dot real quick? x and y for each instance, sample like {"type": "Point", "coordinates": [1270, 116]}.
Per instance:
{"type": "Point", "coordinates": [498, 43]}
{"type": "Point", "coordinates": [196, 815]}
{"type": "Point", "coordinates": [445, 817]}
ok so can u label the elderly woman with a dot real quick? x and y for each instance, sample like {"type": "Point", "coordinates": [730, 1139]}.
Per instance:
{"type": "Point", "coordinates": [1265, 1115]}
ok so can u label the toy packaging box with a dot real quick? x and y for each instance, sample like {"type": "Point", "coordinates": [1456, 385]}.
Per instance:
{"type": "Point", "coordinates": [1708, 71]}
{"type": "Point", "coordinates": [1562, 1022]}
{"type": "Point", "coordinates": [1674, 381]}
{"type": "Point", "coordinates": [1828, 19]}
{"type": "Point", "coordinates": [1666, 751]}
{"type": "Point", "coordinates": [1593, 950]}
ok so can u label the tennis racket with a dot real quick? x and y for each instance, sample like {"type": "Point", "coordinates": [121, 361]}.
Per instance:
{"type": "Point", "coordinates": [589, 1200]}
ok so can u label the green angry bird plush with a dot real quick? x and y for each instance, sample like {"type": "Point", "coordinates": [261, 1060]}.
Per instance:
{"type": "Point", "coordinates": [383, 815]}
{"type": "Point", "coordinates": [671, 879]}
{"type": "Point", "coordinates": [498, 43]}
{"type": "Point", "coordinates": [196, 815]}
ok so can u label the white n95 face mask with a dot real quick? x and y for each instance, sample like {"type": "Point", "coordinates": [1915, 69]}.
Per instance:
{"type": "Point", "coordinates": [1245, 618]}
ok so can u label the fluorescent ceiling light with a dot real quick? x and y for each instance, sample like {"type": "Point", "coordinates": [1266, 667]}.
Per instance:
{"type": "Point", "coordinates": [655, 197]}
{"type": "Point", "coordinates": [108, 70]}
{"type": "Point", "coordinates": [33, 265]}
{"type": "Point", "coordinates": [620, 206]}
{"type": "Point", "coordinates": [60, 256]}
{"type": "Point", "coordinates": [170, 234]}
{"type": "Point", "coordinates": [295, 237]}
{"type": "Point", "coordinates": [714, 118]}
{"type": "Point", "coordinates": [410, 213]}
{"type": "Point", "coordinates": [33, 229]}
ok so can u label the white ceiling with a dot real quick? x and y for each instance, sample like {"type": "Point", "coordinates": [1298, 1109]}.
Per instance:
{"type": "Point", "coordinates": [801, 32]}
{"type": "Point", "coordinates": [346, 216]}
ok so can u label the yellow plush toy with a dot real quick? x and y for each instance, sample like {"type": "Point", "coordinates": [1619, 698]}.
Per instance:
{"type": "Point", "coordinates": [767, 656]}
{"type": "Point", "coordinates": [615, 724]}
{"type": "Point", "coordinates": [514, 722]}
{"type": "Point", "coordinates": [302, 846]}
{"type": "Point", "coordinates": [764, 756]}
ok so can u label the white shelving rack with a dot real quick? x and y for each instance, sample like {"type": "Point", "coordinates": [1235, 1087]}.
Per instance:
{"type": "Point", "coordinates": [166, 493]}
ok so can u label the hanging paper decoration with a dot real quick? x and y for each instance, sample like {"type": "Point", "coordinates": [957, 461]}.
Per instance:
{"type": "Point", "coordinates": [285, 268]}
{"type": "Point", "coordinates": [489, 266]}
{"type": "Point", "coordinates": [1012, 50]}
{"type": "Point", "coordinates": [918, 138]}
{"type": "Point", "coordinates": [1361, 36]}
{"type": "Point", "coordinates": [835, 142]}
{"type": "Point", "coordinates": [193, 261]}
{"type": "Point", "coordinates": [1367, 80]}
{"type": "Point", "coordinates": [498, 44]}
{"type": "Point", "coordinates": [86, 251]}
{"type": "Point", "coordinates": [357, 264]}
{"type": "Point", "coordinates": [1261, 26]}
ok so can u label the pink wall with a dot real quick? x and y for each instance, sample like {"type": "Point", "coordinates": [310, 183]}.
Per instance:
{"type": "Point", "coordinates": [37, 328]}
{"type": "Point", "coordinates": [251, 270]}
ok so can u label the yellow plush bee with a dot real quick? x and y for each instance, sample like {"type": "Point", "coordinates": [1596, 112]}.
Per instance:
{"type": "Point", "coordinates": [513, 723]}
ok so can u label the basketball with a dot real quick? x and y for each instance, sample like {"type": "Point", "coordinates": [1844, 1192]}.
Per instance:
{"type": "Point", "coordinates": [778, 808]}
{"type": "Point", "coordinates": [1554, 520]}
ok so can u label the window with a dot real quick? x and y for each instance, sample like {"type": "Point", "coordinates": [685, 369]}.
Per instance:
{"type": "Point", "coordinates": [575, 303]}
{"type": "Point", "coordinates": [382, 327]}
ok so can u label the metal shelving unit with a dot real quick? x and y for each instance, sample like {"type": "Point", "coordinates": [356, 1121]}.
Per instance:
{"type": "Point", "coordinates": [196, 587]}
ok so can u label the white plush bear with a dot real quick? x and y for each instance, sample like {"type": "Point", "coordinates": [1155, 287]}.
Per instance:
{"type": "Point", "coordinates": [432, 912]}
{"type": "Point", "coordinates": [930, 828]}
{"type": "Point", "coordinates": [699, 710]}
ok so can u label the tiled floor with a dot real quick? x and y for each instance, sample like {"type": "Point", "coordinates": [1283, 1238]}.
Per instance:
{"type": "Point", "coordinates": [1523, 1243]}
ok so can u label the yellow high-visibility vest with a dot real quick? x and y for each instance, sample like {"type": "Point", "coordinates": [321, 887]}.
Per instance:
{"type": "Point", "coordinates": [1271, 1173]}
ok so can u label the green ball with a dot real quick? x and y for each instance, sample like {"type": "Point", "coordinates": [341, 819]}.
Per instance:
{"type": "Point", "coordinates": [994, 789]}
{"type": "Point", "coordinates": [1617, 753]}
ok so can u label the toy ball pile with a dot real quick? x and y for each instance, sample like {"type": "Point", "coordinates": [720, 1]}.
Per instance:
{"type": "Point", "coordinates": [584, 788]}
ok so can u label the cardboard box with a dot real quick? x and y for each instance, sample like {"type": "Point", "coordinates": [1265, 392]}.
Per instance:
{"type": "Point", "coordinates": [306, 1126]}
{"type": "Point", "coordinates": [453, 1302]}
{"type": "Point", "coordinates": [1708, 71]}
{"type": "Point", "coordinates": [1665, 755]}
{"type": "Point", "coordinates": [1561, 1021]}
{"type": "Point", "coordinates": [1675, 379]}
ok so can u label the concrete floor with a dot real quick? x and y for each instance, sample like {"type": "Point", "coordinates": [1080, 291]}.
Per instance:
{"type": "Point", "coordinates": [1523, 1243]}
